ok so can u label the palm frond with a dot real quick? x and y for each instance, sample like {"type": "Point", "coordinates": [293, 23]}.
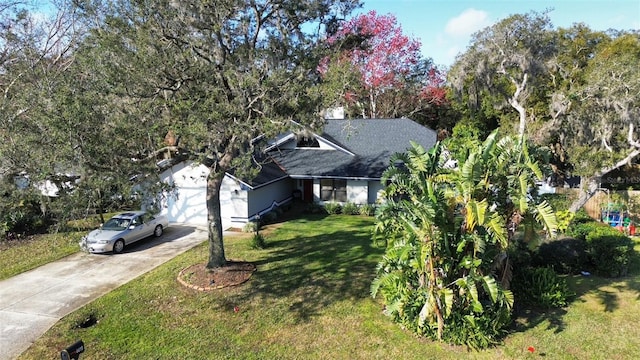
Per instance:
{"type": "Point", "coordinates": [488, 145]}
{"type": "Point", "coordinates": [475, 213]}
{"type": "Point", "coordinates": [491, 287]}
{"type": "Point", "coordinates": [496, 227]}
{"type": "Point", "coordinates": [508, 297]}
{"type": "Point", "coordinates": [546, 216]}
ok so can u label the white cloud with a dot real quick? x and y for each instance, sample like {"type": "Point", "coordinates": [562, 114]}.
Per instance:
{"type": "Point", "coordinates": [456, 35]}
{"type": "Point", "coordinates": [468, 22]}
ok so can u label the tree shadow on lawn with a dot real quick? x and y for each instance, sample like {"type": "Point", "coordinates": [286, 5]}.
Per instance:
{"type": "Point", "coordinates": [605, 290]}
{"type": "Point", "coordinates": [315, 271]}
{"type": "Point", "coordinates": [528, 318]}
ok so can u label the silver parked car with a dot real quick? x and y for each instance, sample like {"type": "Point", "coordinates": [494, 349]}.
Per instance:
{"type": "Point", "coordinates": [124, 229]}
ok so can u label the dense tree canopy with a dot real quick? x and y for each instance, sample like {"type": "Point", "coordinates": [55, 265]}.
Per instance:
{"type": "Point", "coordinates": [573, 89]}
{"type": "Point", "coordinates": [35, 52]}
{"type": "Point", "coordinates": [600, 116]}
{"type": "Point", "coordinates": [378, 72]}
{"type": "Point", "coordinates": [504, 64]}
{"type": "Point", "coordinates": [218, 74]}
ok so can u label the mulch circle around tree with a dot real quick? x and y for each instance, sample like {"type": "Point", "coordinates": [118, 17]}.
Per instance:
{"type": "Point", "coordinates": [198, 277]}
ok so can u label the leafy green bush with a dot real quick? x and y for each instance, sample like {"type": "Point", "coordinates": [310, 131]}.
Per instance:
{"type": "Point", "coordinates": [478, 331]}
{"type": "Point", "coordinates": [350, 209]}
{"type": "Point", "coordinates": [564, 218]}
{"type": "Point", "coordinates": [23, 220]}
{"type": "Point", "coordinates": [610, 251]}
{"type": "Point", "coordinates": [333, 208]}
{"type": "Point", "coordinates": [367, 210]}
{"type": "Point", "coordinates": [564, 255]}
{"type": "Point", "coordinates": [258, 241]}
{"type": "Point", "coordinates": [581, 216]}
{"type": "Point", "coordinates": [540, 287]}
{"type": "Point", "coordinates": [582, 229]}
{"type": "Point", "coordinates": [251, 226]}
{"type": "Point", "coordinates": [314, 208]}
{"type": "Point", "coordinates": [559, 202]}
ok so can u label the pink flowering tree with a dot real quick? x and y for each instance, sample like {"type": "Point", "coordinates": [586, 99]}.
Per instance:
{"type": "Point", "coordinates": [379, 71]}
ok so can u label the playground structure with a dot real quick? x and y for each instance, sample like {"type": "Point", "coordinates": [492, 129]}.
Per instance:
{"type": "Point", "coordinates": [614, 215]}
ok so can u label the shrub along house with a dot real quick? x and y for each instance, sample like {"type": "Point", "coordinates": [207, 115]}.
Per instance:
{"type": "Point", "coordinates": [342, 164]}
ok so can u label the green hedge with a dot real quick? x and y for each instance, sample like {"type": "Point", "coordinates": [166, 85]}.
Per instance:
{"type": "Point", "coordinates": [610, 251]}
{"type": "Point", "coordinates": [565, 255]}
{"type": "Point", "coordinates": [582, 229]}
{"type": "Point", "coordinates": [350, 209]}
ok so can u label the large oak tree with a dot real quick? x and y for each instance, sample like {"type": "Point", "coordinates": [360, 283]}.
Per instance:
{"type": "Point", "coordinates": [599, 115]}
{"type": "Point", "coordinates": [505, 64]}
{"type": "Point", "coordinates": [216, 73]}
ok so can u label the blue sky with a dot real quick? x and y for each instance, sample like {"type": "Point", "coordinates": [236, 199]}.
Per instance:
{"type": "Point", "coordinates": [444, 27]}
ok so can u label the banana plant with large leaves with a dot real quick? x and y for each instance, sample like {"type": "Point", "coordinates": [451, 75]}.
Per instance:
{"type": "Point", "coordinates": [447, 231]}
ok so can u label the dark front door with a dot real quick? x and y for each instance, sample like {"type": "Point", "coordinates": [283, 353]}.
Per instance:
{"type": "Point", "coordinates": [307, 190]}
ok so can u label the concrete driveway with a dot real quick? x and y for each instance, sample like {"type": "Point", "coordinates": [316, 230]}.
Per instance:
{"type": "Point", "coordinates": [32, 302]}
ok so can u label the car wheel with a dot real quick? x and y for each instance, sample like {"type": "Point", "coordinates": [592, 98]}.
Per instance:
{"type": "Point", "coordinates": [158, 231]}
{"type": "Point", "coordinates": [118, 246]}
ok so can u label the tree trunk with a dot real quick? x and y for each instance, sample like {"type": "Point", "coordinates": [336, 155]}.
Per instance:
{"type": "Point", "coordinates": [515, 103]}
{"type": "Point", "coordinates": [589, 186]}
{"type": "Point", "coordinates": [522, 124]}
{"type": "Point", "coordinates": [214, 221]}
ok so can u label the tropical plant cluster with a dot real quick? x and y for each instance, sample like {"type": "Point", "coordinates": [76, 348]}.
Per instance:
{"type": "Point", "coordinates": [541, 287]}
{"type": "Point", "coordinates": [349, 208]}
{"type": "Point", "coordinates": [446, 272]}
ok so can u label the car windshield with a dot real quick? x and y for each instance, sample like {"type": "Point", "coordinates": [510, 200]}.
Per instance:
{"type": "Point", "coordinates": [116, 224]}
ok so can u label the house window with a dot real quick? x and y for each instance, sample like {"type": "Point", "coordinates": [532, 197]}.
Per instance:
{"type": "Point", "coordinates": [308, 142]}
{"type": "Point", "coordinates": [333, 190]}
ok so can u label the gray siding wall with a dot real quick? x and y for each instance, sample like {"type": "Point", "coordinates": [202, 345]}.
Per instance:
{"type": "Point", "coordinates": [263, 198]}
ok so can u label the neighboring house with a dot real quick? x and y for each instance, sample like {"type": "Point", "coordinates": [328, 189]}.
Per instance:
{"type": "Point", "coordinates": [343, 164]}
{"type": "Point", "coordinates": [48, 187]}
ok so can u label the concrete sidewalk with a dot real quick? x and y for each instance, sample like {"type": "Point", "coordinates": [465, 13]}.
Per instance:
{"type": "Point", "coordinates": [32, 302]}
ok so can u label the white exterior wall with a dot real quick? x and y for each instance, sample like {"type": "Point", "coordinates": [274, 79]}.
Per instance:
{"type": "Point", "coordinates": [233, 201]}
{"type": "Point", "coordinates": [187, 203]}
{"type": "Point", "coordinates": [316, 191]}
{"type": "Point", "coordinates": [375, 191]}
{"type": "Point", "coordinates": [325, 145]}
{"type": "Point", "coordinates": [357, 192]}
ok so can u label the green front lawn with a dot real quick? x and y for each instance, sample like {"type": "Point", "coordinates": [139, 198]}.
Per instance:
{"type": "Point", "coordinates": [309, 299]}
{"type": "Point", "coordinates": [24, 255]}
{"type": "Point", "coordinates": [18, 256]}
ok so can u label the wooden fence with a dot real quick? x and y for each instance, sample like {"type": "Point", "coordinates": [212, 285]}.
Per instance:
{"type": "Point", "coordinates": [602, 198]}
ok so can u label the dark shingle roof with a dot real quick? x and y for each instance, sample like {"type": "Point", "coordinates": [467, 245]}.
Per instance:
{"type": "Point", "coordinates": [373, 141]}
{"type": "Point", "coordinates": [269, 172]}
